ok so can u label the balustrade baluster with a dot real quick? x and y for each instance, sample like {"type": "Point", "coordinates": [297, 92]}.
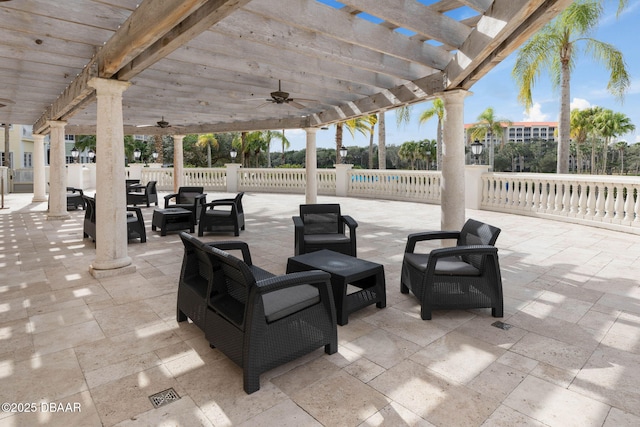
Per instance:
{"type": "Point", "coordinates": [628, 205]}
{"type": "Point", "coordinates": [619, 204]}
{"type": "Point", "coordinates": [600, 201]}
{"type": "Point", "coordinates": [636, 208]}
{"type": "Point", "coordinates": [609, 202]}
{"type": "Point", "coordinates": [551, 199]}
{"type": "Point", "coordinates": [573, 200]}
{"type": "Point", "coordinates": [535, 206]}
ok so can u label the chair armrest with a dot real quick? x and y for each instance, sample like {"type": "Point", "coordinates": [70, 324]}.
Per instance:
{"type": "Point", "coordinates": [463, 250]}
{"type": "Point", "coordinates": [414, 238]}
{"type": "Point", "coordinates": [297, 222]}
{"type": "Point", "coordinates": [351, 223]}
{"type": "Point", "coordinates": [201, 199]}
{"type": "Point", "coordinates": [231, 245]}
{"type": "Point", "coordinates": [138, 212]}
{"type": "Point", "coordinates": [167, 198]}
{"type": "Point", "coordinates": [221, 202]}
{"type": "Point", "coordinates": [311, 277]}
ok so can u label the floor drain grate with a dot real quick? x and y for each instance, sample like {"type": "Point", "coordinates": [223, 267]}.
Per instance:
{"type": "Point", "coordinates": [502, 325]}
{"type": "Point", "coordinates": [163, 398]}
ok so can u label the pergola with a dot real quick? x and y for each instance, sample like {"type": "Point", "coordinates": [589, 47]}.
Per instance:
{"type": "Point", "coordinates": [105, 67]}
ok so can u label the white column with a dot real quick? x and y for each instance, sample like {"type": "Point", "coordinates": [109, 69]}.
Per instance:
{"type": "Point", "coordinates": [57, 172]}
{"type": "Point", "coordinates": [178, 162]}
{"type": "Point", "coordinates": [311, 165]}
{"type": "Point", "coordinates": [111, 217]}
{"type": "Point", "coordinates": [39, 176]}
{"type": "Point", "coordinates": [452, 187]}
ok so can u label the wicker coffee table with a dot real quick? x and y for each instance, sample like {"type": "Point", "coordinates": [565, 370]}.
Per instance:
{"type": "Point", "coordinates": [172, 219]}
{"type": "Point", "coordinates": [346, 270]}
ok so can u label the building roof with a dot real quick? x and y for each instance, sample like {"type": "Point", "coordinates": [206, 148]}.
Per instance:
{"type": "Point", "coordinates": [214, 65]}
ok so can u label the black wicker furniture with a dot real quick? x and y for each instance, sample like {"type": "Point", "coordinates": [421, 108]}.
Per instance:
{"type": "Point", "coordinates": [135, 221]}
{"type": "Point", "coordinates": [172, 219]}
{"type": "Point", "coordinates": [321, 226]}
{"type": "Point", "coordinates": [365, 276]}
{"type": "Point", "coordinates": [74, 198]}
{"type": "Point", "coordinates": [222, 215]}
{"type": "Point", "coordinates": [190, 198]}
{"type": "Point", "coordinates": [258, 320]}
{"type": "Point", "coordinates": [138, 194]}
{"type": "Point", "coordinates": [460, 277]}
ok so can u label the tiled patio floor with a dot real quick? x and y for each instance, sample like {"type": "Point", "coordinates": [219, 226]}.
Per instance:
{"type": "Point", "coordinates": [572, 357]}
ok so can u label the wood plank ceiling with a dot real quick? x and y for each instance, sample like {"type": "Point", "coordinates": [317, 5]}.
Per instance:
{"type": "Point", "coordinates": [210, 65]}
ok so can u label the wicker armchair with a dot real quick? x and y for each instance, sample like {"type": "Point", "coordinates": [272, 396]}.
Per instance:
{"type": "Point", "coordinates": [222, 215]}
{"type": "Point", "coordinates": [258, 320]}
{"type": "Point", "coordinates": [189, 198]}
{"type": "Point", "coordinates": [135, 221]}
{"type": "Point", "coordinates": [321, 226]}
{"type": "Point", "coordinates": [74, 198]}
{"type": "Point", "coordinates": [137, 195]}
{"type": "Point", "coordinates": [460, 277]}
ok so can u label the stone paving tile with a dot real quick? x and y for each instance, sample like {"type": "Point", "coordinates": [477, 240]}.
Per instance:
{"type": "Point", "coordinates": [571, 356]}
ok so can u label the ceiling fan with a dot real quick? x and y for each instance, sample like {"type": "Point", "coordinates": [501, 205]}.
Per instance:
{"type": "Point", "coordinates": [162, 124]}
{"type": "Point", "coordinates": [281, 97]}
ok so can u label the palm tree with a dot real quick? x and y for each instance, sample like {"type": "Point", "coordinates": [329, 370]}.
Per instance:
{"type": "Point", "coordinates": [609, 125]}
{"type": "Point", "coordinates": [285, 144]}
{"type": "Point", "coordinates": [382, 141]}
{"type": "Point", "coordinates": [410, 150]}
{"type": "Point", "coordinates": [372, 119]}
{"type": "Point", "coordinates": [208, 140]}
{"type": "Point", "coordinates": [436, 110]}
{"type": "Point", "coordinates": [339, 132]}
{"type": "Point", "coordinates": [581, 128]}
{"type": "Point", "coordinates": [489, 125]}
{"type": "Point", "coordinates": [555, 48]}
{"type": "Point", "coordinates": [428, 150]}
{"type": "Point", "coordinates": [267, 136]}
{"type": "Point", "coordinates": [621, 146]}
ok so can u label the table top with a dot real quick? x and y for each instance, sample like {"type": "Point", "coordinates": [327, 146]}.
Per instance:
{"type": "Point", "coordinates": [335, 262]}
{"type": "Point", "coordinates": [172, 211]}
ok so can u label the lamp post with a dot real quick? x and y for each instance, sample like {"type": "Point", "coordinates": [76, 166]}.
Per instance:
{"type": "Point", "coordinates": [343, 153]}
{"type": "Point", "coordinates": [75, 153]}
{"type": "Point", "coordinates": [233, 153]}
{"type": "Point", "coordinates": [136, 154]}
{"type": "Point", "coordinates": [476, 149]}
{"type": "Point", "coordinates": [92, 155]}
{"type": "Point", "coordinates": [154, 155]}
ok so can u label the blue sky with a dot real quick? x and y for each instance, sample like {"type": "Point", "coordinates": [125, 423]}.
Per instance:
{"type": "Point", "coordinates": [497, 89]}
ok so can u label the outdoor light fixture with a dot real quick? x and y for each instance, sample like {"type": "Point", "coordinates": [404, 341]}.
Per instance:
{"type": "Point", "coordinates": [154, 155]}
{"type": "Point", "coordinates": [75, 153]}
{"type": "Point", "coordinates": [343, 153]}
{"type": "Point", "coordinates": [476, 149]}
{"type": "Point", "coordinates": [233, 153]}
{"type": "Point", "coordinates": [136, 154]}
{"type": "Point", "coordinates": [92, 155]}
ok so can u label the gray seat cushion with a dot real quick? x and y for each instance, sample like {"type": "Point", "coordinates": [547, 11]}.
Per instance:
{"type": "Point", "coordinates": [283, 302]}
{"type": "Point", "coordinates": [317, 239]}
{"type": "Point", "coordinates": [445, 266]}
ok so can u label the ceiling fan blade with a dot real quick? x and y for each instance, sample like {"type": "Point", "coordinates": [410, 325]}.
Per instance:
{"type": "Point", "coordinates": [296, 104]}
{"type": "Point", "coordinates": [144, 126]}
{"type": "Point", "coordinates": [263, 104]}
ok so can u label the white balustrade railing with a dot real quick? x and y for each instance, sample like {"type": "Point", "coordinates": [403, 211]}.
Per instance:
{"type": "Point", "coordinates": [603, 200]}
{"type": "Point", "coordinates": [598, 200]}
{"type": "Point", "coordinates": [395, 184]}
{"type": "Point", "coordinates": [277, 180]}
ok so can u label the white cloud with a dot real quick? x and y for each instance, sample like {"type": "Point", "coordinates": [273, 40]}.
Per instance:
{"type": "Point", "coordinates": [535, 114]}
{"type": "Point", "coordinates": [580, 104]}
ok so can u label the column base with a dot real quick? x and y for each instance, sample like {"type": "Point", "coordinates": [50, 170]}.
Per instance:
{"type": "Point", "coordinates": [112, 272]}
{"type": "Point", "coordinates": [39, 199]}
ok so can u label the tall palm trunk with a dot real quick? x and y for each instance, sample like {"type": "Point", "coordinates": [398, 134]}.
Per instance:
{"type": "Point", "coordinates": [338, 142]}
{"type": "Point", "coordinates": [243, 144]}
{"type": "Point", "coordinates": [382, 149]}
{"type": "Point", "coordinates": [593, 155]}
{"type": "Point", "coordinates": [371, 148]}
{"type": "Point", "coordinates": [564, 127]}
